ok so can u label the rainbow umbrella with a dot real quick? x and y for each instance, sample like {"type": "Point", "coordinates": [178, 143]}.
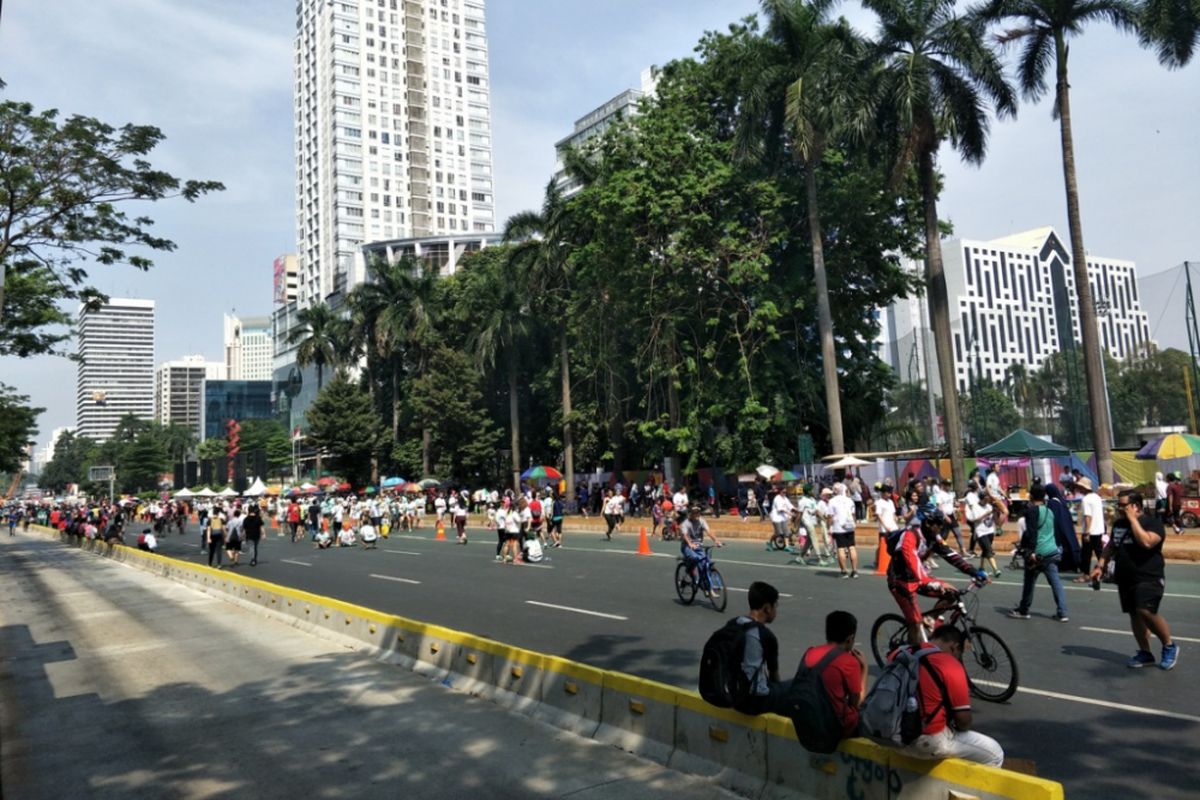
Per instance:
{"type": "Point", "coordinates": [542, 473]}
{"type": "Point", "coordinates": [1173, 445]}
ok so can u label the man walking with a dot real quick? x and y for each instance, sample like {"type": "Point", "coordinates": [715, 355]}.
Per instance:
{"type": "Point", "coordinates": [1043, 555]}
{"type": "Point", "coordinates": [1136, 544]}
{"type": "Point", "coordinates": [1175, 500]}
{"type": "Point", "coordinates": [252, 527]}
{"type": "Point", "coordinates": [1091, 511]}
{"type": "Point", "coordinates": [841, 511]}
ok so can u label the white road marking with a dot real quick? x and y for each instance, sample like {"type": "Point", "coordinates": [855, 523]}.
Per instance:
{"type": "Point", "coordinates": [578, 610]}
{"type": "Point", "coordinates": [397, 580]}
{"type": "Point", "coordinates": [297, 563]}
{"type": "Point", "coordinates": [736, 589]}
{"type": "Point", "coordinates": [1153, 712]}
{"type": "Point", "coordinates": [402, 552]}
{"type": "Point", "coordinates": [1088, 588]}
{"type": "Point", "coordinates": [1127, 633]}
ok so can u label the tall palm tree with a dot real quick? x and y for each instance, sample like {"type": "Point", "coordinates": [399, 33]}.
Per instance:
{"type": "Point", "coordinates": [806, 89]}
{"type": "Point", "coordinates": [1172, 27]}
{"type": "Point", "coordinates": [541, 252]}
{"type": "Point", "coordinates": [1043, 27]}
{"type": "Point", "coordinates": [316, 334]}
{"type": "Point", "coordinates": [935, 80]}
{"type": "Point", "coordinates": [502, 326]}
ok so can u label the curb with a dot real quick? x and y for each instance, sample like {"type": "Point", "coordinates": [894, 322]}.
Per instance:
{"type": "Point", "coordinates": [757, 756]}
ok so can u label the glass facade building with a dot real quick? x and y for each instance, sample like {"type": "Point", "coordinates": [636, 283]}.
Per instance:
{"type": "Point", "coordinates": [239, 400]}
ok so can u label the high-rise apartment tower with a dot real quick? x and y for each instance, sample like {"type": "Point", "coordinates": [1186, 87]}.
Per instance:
{"type": "Point", "coordinates": [393, 130]}
{"type": "Point", "coordinates": [116, 366]}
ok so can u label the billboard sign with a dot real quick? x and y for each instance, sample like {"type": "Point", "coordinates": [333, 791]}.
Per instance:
{"type": "Point", "coordinates": [281, 280]}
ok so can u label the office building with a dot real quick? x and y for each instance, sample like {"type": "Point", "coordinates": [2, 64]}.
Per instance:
{"type": "Point", "coordinates": [597, 121]}
{"type": "Point", "coordinates": [179, 390]}
{"type": "Point", "coordinates": [116, 365]}
{"type": "Point", "coordinates": [1013, 301]}
{"type": "Point", "coordinates": [226, 400]}
{"type": "Point", "coordinates": [248, 348]}
{"type": "Point", "coordinates": [393, 131]}
{"type": "Point", "coordinates": [442, 252]}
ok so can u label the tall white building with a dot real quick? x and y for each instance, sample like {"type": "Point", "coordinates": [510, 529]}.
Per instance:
{"type": "Point", "coordinates": [393, 130]}
{"type": "Point", "coordinates": [45, 455]}
{"type": "Point", "coordinates": [248, 348]}
{"type": "Point", "coordinates": [597, 121]}
{"type": "Point", "coordinates": [116, 366]}
{"type": "Point", "coordinates": [1013, 301]}
{"type": "Point", "coordinates": [179, 390]}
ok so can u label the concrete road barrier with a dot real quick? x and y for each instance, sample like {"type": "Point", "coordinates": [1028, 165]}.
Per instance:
{"type": "Point", "coordinates": [758, 756]}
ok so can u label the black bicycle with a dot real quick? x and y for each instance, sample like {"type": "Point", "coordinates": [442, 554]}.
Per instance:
{"type": "Point", "coordinates": [990, 665]}
{"type": "Point", "coordinates": [707, 579]}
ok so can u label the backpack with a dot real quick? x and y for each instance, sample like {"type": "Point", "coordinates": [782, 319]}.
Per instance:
{"type": "Point", "coordinates": [722, 681]}
{"type": "Point", "coordinates": [892, 711]}
{"type": "Point", "coordinates": [808, 705]}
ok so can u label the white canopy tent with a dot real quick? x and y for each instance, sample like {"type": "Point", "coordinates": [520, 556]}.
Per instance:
{"type": "Point", "coordinates": [227, 492]}
{"type": "Point", "coordinates": [206, 492]}
{"type": "Point", "coordinates": [257, 489]}
{"type": "Point", "coordinates": [184, 494]}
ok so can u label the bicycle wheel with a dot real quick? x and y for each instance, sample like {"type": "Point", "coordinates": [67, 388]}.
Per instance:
{"type": "Point", "coordinates": [991, 668]}
{"type": "Point", "coordinates": [716, 587]}
{"type": "Point", "coordinates": [778, 542]}
{"type": "Point", "coordinates": [889, 632]}
{"type": "Point", "coordinates": [685, 587]}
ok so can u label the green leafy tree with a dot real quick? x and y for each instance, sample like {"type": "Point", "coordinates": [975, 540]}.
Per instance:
{"type": "Point", "coordinates": [270, 436]}
{"type": "Point", "coordinates": [64, 185]}
{"type": "Point", "coordinates": [1043, 29]}
{"type": "Point", "coordinates": [318, 336]}
{"type": "Point", "coordinates": [1172, 28]}
{"type": "Point", "coordinates": [936, 79]}
{"type": "Point", "coordinates": [344, 425]}
{"type": "Point", "coordinates": [73, 454]}
{"type": "Point", "coordinates": [211, 448]}
{"type": "Point", "coordinates": [463, 438]}
{"type": "Point", "coordinates": [990, 413]}
{"type": "Point", "coordinates": [18, 428]}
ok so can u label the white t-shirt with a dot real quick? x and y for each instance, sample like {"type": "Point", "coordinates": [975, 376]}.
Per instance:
{"type": "Point", "coordinates": [367, 532]}
{"type": "Point", "coordinates": [680, 500]}
{"type": "Point", "coordinates": [885, 512]}
{"type": "Point", "coordinates": [945, 501]}
{"type": "Point", "coordinates": [614, 505]}
{"type": "Point", "coordinates": [1093, 507]}
{"type": "Point", "coordinates": [993, 483]}
{"type": "Point", "coordinates": [841, 508]}
{"type": "Point", "coordinates": [439, 505]}
{"type": "Point", "coordinates": [781, 508]}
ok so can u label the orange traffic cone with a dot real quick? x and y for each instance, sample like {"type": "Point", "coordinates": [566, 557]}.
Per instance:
{"type": "Point", "coordinates": [643, 543]}
{"type": "Point", "coordinates": [882, 559]}
{"type": "Point", "coordinates": [441, 532]}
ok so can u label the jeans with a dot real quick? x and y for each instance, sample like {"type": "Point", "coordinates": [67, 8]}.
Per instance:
{"type": "Point", "coordinates": [1048, 565]}
{"type": "Point", "coordinates": [967, 745]}
{"type": "Point", "coordinates": [215, 546]}
{"type": "Point", "coordinates": [253, 551]}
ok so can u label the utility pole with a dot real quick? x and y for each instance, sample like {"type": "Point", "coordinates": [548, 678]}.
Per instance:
{"type": "Point", "coordinates": [1193, 333]}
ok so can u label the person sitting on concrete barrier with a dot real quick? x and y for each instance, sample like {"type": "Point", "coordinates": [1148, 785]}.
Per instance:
{"type": "Point", "coordinates": [845, 677]}
{"type": "Point", "coordinates": [760, 655]}
{"type": "Point", "coordinates": [147, 541]}
{"type": "Point", "coordinates": [945, 700]}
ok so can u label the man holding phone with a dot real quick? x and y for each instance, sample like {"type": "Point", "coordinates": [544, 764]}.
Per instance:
{"type": "Point", "coordinates": [1136, 544]}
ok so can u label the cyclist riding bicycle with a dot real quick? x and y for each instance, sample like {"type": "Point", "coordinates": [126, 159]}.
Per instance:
{"type": "Point", "coordinates": [906, 575]}
{"type": "Point", "coordinates": [692, 536]}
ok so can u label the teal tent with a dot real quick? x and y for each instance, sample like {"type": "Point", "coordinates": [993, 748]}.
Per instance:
{"type": "Point", "coordinates": [1023, 444]}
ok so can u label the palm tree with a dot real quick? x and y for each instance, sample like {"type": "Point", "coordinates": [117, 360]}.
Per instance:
{"type": "Point", "coordinates": [1043, 29]}
{"type": "Point", "coordinates": [502, 325]}
{"type": "Point", "coordinates": [807, 87]}
{"type": "Point", "coordinates": [1172, 27]}
{"type": "Point", "coordinates": [541, 253]}
{"type": "Point", "coordinates": [316, 336]}
{"type": "Point", "coordinates": [935, 78]}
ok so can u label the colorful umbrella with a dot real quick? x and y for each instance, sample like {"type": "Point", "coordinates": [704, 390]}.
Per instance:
{"type": "Point", "coordinates": [1173, 445]}
{"type": "Point", "coordinates": [343, 487]}
{"type": "Point", "coordinates": [429, 483]}
{"type": "Point", "coordinates": [542, 473]}
{"type": "Point", "coordinates": [766, 471]}
{"type": "Point", "coordinates": [787, 476]}
{"type": "Point", "coordinates": [327, 481]}
{"type": "Point", "coordinates": [412, 487]}
{"type": "Point", "coordinates": [369, 490]}
{"type": "Point", "coordinates": [388, 483]}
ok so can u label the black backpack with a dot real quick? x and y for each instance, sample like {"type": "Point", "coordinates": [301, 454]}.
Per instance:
{"type": "Point", "coordinates": [722, 681]}
{"type": "Point", "coordinates": [808, 705]}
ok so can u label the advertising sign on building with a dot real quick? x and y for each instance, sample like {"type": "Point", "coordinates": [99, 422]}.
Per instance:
{"type": "Point", "coordinates": [280, 293]}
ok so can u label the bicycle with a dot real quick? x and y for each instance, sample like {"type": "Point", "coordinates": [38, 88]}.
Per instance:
{"type": "Point", "coordinates": [707, 579]}
{"type": "Point", "coordinates": [990, 665]}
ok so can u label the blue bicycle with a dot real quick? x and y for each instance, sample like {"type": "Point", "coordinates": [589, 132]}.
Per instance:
{"type": "Point", "coordinates": [707, 579]}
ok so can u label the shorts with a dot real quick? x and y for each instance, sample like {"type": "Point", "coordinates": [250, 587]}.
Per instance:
{"type": "Point", "coordinates": [985, 545]}
{"type": "Point", "coordinates": [906, 599]}
{"type": "Point", "coordinates": [234, 544]}
{"type": "Point", "coordinates": [511, 536]}
{"type": "Point", "coordinates": [843, 541]}
{"type": "Point", "coordinates": [1146, 593]}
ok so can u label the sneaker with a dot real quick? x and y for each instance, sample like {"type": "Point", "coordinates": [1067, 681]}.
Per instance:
{"type": "Point", "coordinates": [845, 575]}
{"type": "Point", "coordinates": [1169, 657]}
{"type": "Point", "coordinates": [499, 558]}
{"type": "Point", "coordinates": [854, 574]}
{"type": "Point", "coordinates": [1017, 613]}
{"type": "Point", "coordinates": [997, 574]}
{"type": "Point", "coordinates": [1143, 658]}
{"type": "Point", "coordinates": [1061, 618]}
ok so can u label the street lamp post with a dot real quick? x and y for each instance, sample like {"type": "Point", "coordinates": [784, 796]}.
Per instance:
{"type": "Point", "coordinates": [1103, 307]}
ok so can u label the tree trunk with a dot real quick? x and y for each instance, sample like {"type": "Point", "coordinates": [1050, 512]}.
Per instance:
{"type": "Point", "coordinates": [1093, 366]}
{"type": "Point", "coordinates": [939, 317]}
{"type": "Point", "coordinates": [426, 446]}
{"type": "Point", "coordinates": [568, 438]}
{"type": "Point", "coordinates": [395, 400]}
{"type": "Point", "coordinates": [514, 422]}
{"type": "Point", "coordinates": [833, 399]}
{"type": "Point", "coordinates": [320, 376]}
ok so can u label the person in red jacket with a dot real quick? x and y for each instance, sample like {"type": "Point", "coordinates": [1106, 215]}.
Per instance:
{"type": "Point", "coordinates": [906, 575]}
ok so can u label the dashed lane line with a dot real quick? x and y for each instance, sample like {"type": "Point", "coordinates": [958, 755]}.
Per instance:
{"type": "Point", "coordinates": [1091, 701]}
{"type": "Point", "coordinates": [1127, 633]}
{"type": "Point", "coordinates": [617, 617]}
{"type": "Point", "coordinates": [736, 589]}
{"type": "Point", "coordinates": [395, 579]}
{"type": "Point", "coordinates": [297, 563]}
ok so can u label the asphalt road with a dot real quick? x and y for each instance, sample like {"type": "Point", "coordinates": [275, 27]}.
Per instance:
{"type": "Point", "coordinates": [1080, 714]}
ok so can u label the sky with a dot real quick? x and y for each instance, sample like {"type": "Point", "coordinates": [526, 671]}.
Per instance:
{"type": "Point", "coordinates": [215, 76]}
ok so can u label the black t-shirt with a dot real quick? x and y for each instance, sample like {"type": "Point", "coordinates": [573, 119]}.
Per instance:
{"type": "Point", "coordinates": [1135, 562]}
{"type": "Point", "coordinates": [252, 526]}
